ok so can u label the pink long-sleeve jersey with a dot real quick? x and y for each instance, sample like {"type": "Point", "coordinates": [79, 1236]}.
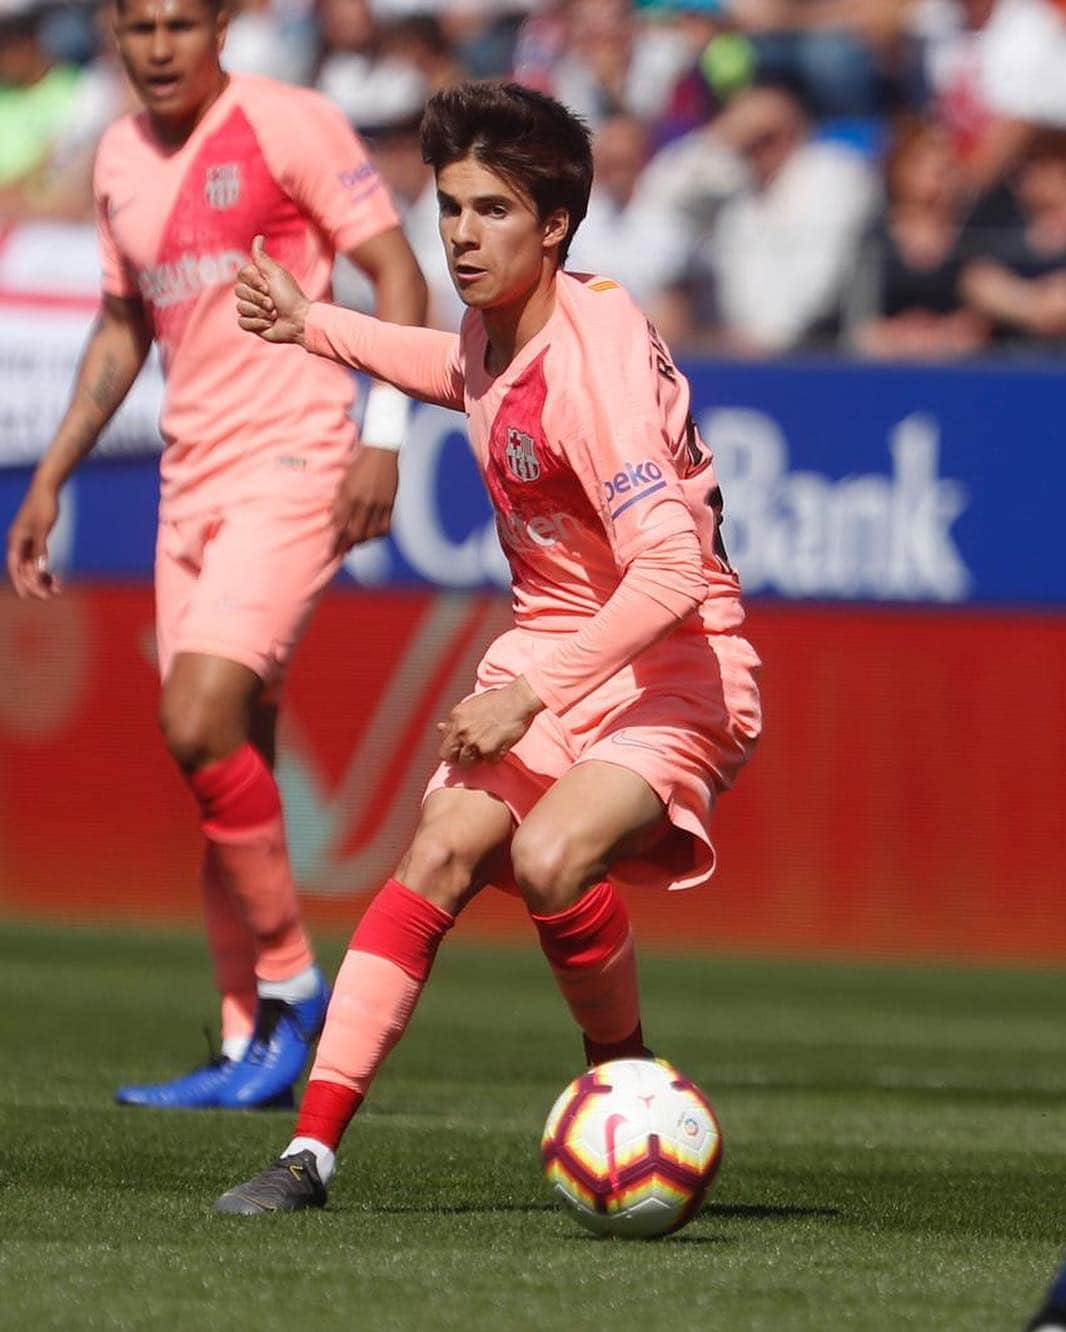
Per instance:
{"type": "Point", "coordinates": [606, 499]}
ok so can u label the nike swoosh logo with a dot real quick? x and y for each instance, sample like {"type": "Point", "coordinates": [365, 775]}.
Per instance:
{"type": "Point", "coordinates": [620, 738]}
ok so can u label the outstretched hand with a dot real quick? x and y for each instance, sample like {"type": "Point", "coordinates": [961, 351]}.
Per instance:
{"type": "Point", "coordinates": [269, 299]}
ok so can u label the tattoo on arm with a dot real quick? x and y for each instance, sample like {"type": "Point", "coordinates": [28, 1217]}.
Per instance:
{"type": "Point", "coordinates": [105, 389]}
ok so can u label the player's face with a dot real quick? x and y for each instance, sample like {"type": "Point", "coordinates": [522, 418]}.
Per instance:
{"type": "Point", "coordinates": [171, 52]}
{"type": "Point", "coordinates": [497, 247]}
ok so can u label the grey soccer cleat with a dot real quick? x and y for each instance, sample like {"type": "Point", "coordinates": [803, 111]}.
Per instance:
{"type": "Point", "coordinates": [289, 1185]}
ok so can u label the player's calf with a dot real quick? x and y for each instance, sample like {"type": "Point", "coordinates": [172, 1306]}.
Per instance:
{"type": "Point", "coordinates": [589, 947]}
{"type": "Point", "coordinates": [379, 983]}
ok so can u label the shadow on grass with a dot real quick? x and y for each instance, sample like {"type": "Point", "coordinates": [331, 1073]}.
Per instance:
{"type": "Point", "coordinates": [918, 1090]}
{"type": "Point", "coordinates": [586, 1237]}
{"type": "Point", "coordinates": [755, 1212]}
{"type": "Point", "coordinates": [713, 1211]}
{"type": "Point", "coordinates": [462, 1209]}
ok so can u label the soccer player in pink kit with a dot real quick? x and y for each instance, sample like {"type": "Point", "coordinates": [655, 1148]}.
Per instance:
{"type": "Point", "coordinates": [604, 724]}
{"type": "Point", "coordinates": [263, 484]}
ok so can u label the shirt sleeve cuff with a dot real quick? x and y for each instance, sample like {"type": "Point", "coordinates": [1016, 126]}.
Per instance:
{"type": "Point", "coordinates": [315, 338]}
{"type": "Point", "coordinates": [553, 701]}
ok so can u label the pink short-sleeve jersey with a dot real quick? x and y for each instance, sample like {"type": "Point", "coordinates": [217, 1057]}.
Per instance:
{"type": "Point", "coordinates": [241, 417]}
{"type": "Point", "coordinates": [592, 458]}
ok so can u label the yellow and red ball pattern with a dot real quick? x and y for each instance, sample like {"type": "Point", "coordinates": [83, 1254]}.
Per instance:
{"type": "Point", "coordinates": [632, 1147]}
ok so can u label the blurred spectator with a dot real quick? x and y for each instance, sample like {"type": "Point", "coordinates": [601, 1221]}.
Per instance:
{"type": "Point", "coordinates": [422, 42]}
{"type": "Point", "coordinates": [628, 234]}
{"type": "Point", "coordinates": [771, 275]}
{"type": "Point", "coordinates": [838, 52]}
{"type": "Point", "coordinates": [1025, 61]}
{"type": "Point", "coordinates": [398, 155]}
{"type": "Point", "coordinates": [906, 301]}
{"type": "Point", "coordinates": [275, 38]}
{"type": "Point", "coordinates": [719, 199]}
{"type": "Point", "coordinates": [694, 176]}
{"type": "Point", "coordinates": [368, 84]}
{"type": "Point", "coordinates": [63, 191]}
{"type": "Point", "coordinates": [1019, 283]}
{"type": "Point", "coordinates": [997, 73]}
{"type": "Point", "coordinates": [39, 99]}
{"type": "Point", "coordinates": [593, 72]}
{"type": "Point", "coordinates": [714, 60]}
{"type": "Point", "coordinates": [483, 32]}
{"type": "Point", "coordinates": [601, 60]}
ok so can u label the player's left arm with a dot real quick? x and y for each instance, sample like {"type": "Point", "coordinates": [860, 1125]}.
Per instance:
{"type": "Point", "coordinates": [362, 508]}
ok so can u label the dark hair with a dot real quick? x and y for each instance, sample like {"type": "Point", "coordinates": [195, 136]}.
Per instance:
{"type": "Point", "coordinates": [214, 7]}
{"type": "Point", "coordinates": [530, 140]}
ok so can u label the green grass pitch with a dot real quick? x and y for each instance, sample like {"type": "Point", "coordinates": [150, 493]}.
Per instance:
{"type": "Point", "coordinates": [894, 1154]}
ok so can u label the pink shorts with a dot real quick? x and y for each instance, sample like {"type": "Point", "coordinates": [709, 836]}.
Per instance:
{"type": "Point", "coordinates": [685, 716]}
{"type": "Point", "coordinates": [241, 582]}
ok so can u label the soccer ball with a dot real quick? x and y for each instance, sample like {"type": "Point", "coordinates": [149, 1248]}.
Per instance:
{"type": "Point", "coordinates": [631, 1147]}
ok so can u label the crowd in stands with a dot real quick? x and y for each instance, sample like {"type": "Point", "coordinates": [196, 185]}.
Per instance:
{"type": "Point", "coordinates": [883, 178]}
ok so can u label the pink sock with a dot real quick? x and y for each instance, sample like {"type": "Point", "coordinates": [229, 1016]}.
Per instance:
{"type": "Point", "coordinates": [375, 993]}
{"type": "Point", "coordinates": [232, 951]}
{"type": "Point", "coordinates": [240, 811]}
{"type": "Point", "coordinates": [590, 949]}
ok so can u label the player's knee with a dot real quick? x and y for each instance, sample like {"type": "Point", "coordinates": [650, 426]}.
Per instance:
{"type": "Point", "coordinates": [550, 872]}
{"type": "Point", "coordinates": [437, 866]}
{"type": "Point", "coordinates": [198, 729]}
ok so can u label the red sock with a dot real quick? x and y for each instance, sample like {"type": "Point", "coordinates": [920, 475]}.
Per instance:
{"type": "Point", "coordinates": [326, 1111]}
{"type": "Point", "coordinates": [388, 962]}
{"type": "Point", "coordinates": [602, 1052]}
{"type": "Point", "coordinates": [232, 951]}
{"type": "Point", "coordinates": [240, 812]}
{"type": "Point", "coordinates": [236, 792]}
{"type": "Point", "coordinates": [590, 949]}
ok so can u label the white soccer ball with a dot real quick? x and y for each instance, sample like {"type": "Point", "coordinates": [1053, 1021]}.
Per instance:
{"type": "Point", "coordinates": [631, 1147]}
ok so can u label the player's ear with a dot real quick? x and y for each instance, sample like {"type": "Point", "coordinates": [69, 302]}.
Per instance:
{"type": "Point", "coordinates": [222, 12]}
{"type": "Point", "coordinates": [556, 226]}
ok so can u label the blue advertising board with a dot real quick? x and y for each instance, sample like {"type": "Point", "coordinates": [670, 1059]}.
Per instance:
{"type": "Point", "coordinates": [925, 485]}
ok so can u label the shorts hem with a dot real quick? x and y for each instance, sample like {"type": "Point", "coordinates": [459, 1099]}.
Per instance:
{"type": "Point", "coordinates": [264, 667]}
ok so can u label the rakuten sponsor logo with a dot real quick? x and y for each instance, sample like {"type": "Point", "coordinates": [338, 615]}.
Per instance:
{"type": "Point", "coordinates": [183, 279]}
{"type": "Point", "coordinates": [803, 534]}
{"type": "Point", "coordinates": [545, 530]}
{"type": "Point", "coordinates": [633, 484]}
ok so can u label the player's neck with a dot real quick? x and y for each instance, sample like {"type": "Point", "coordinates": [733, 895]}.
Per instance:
{"type": "Point", "coordinates": [510, 327]}
{"type": "Point", "coordinates": [175, 132]}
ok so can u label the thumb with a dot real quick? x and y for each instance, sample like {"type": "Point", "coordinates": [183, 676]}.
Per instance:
{"type": "Point", "coordinates": [262, 260]}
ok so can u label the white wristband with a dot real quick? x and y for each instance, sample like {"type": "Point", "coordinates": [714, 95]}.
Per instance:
{"type": "Point", "coordinates": [385, 418]}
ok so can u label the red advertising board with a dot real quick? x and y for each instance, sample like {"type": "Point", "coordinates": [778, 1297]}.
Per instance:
{"type": "Point", "coordinates": [905, 800]}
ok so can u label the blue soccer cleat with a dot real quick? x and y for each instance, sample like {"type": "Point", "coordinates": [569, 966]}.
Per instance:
{"type": "Point", "coordinates": [278, 1053]}
{"type": "Point", "coordinates": [199, 1090]}
{"type": "Point", "coordinates": [1052, 1314]}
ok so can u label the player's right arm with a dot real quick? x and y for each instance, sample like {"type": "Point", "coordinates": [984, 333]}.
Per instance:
{"type": "Point", "coordinates": [421, 362]}
{"type": "Point", "coordinates": [117, 348]}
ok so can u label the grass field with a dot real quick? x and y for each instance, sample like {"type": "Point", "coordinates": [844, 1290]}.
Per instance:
{"type": "Point", "coordinates": [894, 1154]}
